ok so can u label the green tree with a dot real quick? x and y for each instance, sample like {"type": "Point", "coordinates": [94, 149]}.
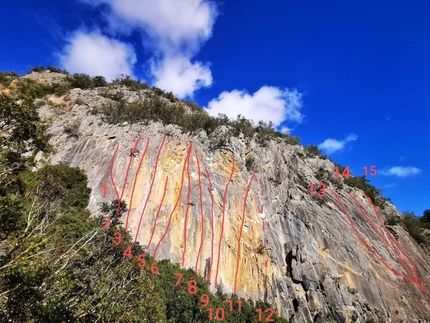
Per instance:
{"type": "Point", "coordinates": [23, 134]}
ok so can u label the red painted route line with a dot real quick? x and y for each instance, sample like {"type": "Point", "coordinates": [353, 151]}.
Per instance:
{"type": "Point", "coordinates": [381, 236]}
{"type": "Point", "coordinates": [202, 216]}
{"type": "Point", "coordinates": [223, 218]}
{"type": "Point", "coordinates": [158, 212]}
{"type": "Point", "coordinates": [392, 238]}
{"type": "Point", "coordinates": [128, 169]}
{"type": "Point", "coordinates": [134, 184]}
{"type": "Point", "coordinates": [264, 224]}
{"type": "Point", "coordinates": [150, 189]}
{"type": "Point", "coordinates": [186, 212]}
{"type": "Point", "coordinates": [240, 232]}
{"type": "Point", "coordinates": [212, 226]}
{"type": "Point", "coordinates": [111, 175]}
{"type": "Point", "coordinates": [177, 201]}
{"type": "Point", "coordinates": [370, 249]}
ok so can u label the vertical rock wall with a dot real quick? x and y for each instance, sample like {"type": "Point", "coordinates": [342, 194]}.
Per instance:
{"type": "Point", "coordinates": [306, 260]}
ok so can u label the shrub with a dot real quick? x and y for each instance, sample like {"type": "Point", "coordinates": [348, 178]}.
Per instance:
{"type": "Point", "coordinates": [53, 69]}
{"type": "Point", "coordinates": [30, 90]}
{"type": "Point", "coordinates": [362, 183]}
{"type": "Point", "coordinates": [312, 151]}
{"type": "Point", "coordinates": [72, 129]}
{"type": "Point", "coordinates": [65, 184]}
{"type": "Point", "coordinates": [7, 77]}
{"type": "Point", "coordinates": [415, 228]}
{"type": "Point", "coordinates": [84, 81]}
{"type": "Point", "coordinates": [249, 162]}
{"type": "Point", "coordinates": [129, 82]}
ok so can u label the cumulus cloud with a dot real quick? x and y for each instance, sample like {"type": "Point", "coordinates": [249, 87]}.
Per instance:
{"type": "Point", "coordinates": [174, 31]}
{"type": "Point", "coordinates": [173, 26]}
{"type": "Point", "coordinates": [330, 145]}
{"type": "Point", "coordinates": [401, 171]}
{"type": "Point", "coordinates": [180, 76]}
{"type": "Point", "coordinates": [95, 54]}
{"type": "Point", "coordinates": [267, 104]}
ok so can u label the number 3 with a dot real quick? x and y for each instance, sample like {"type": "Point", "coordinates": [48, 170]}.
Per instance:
{"type": "Point", "coordinates": [117, 239]}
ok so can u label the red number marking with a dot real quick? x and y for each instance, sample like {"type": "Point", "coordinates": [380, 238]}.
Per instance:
{"type": "Point", "coordinates": [154, 268]}
{"type": "Point", "coordinates": [311, 187]}
{"type": "Point", "coordinates": [117, 240]}
{"type": "Point", "coordinates": [345, 172]}
{"type": "Point", "coordinates": [141, 262]}
{"type": "Point", "coordinates": [127, 252]}
{"type": "Point", "coordinates": [211, 314]}
{"type": "Point", "coordinates": [205, 300]}
{"type": "Point", "coordinates": [239, 305]}
{"type": "Point", "coordinates": [372, 170]}
{"type": "Point", "coordinates": [220, 314]}
{"type": "Point", "coordinates": [179, 275]}
{"type": "Point", "coordinates": [270, 310]}
{"type": "Point", "coordinates": [192, 287]}
{"type": "Point", "coordinates": [260, 314]}
{"type": "Point", "coordinates": [323, 187]}
{"type": "Point", "coordinates": [104, 189]}
{"type": "Point", "coordinates": [106, 220]}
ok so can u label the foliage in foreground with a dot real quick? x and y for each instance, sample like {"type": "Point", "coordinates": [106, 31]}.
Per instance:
{"type": "Point", "coordinates": [61, 266]}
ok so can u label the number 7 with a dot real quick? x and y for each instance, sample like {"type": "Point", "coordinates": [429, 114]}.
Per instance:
{"type": "Point", "coordinates": [179, 275]}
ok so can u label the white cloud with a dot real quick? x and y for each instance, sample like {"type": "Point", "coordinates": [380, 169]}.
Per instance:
{"type": "Point", "coordinates": [267, 104]}
{"type": "Point", "coordinates": [181, 76]}
{"type": "Point", "coordinates": [401, 171]}
{"type": "Point", "coordinates": [174, 26]}
{"type": "Point", "coordinates": [174, 30]}
{"type": "Point", "coordinates": [330, 145]}
{"type": "Point", "coordinates": [95, 54]}
{"type": "Point", "coordinates": [285, 130]}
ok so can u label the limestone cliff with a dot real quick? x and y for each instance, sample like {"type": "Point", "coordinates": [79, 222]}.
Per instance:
{"type": "Point", "coordinates": [301, 254]}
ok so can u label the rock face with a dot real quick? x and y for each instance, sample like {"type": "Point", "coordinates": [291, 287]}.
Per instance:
{"type": "Point", "coordinates": [257, 231]}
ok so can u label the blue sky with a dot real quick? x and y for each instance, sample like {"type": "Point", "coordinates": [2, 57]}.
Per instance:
{"type": "Point", "coordinates": [350, 76]}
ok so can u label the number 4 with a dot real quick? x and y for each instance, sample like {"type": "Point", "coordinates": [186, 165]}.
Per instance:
{"type": "Point", "coordinates": [345, 172]}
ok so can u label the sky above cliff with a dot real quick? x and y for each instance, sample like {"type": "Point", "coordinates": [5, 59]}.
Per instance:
{"type": "Point", "coordinates": [350, 76]}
